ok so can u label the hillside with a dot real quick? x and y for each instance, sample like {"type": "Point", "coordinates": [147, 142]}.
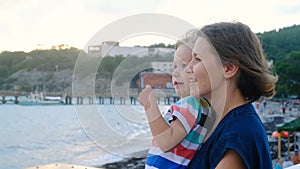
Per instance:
{"type": "Point", "coordinates": [53, 69]}
{"type": "Point", "coordinates": [277, 44]}
{"type": "Point", "coordinates": [28, 71]}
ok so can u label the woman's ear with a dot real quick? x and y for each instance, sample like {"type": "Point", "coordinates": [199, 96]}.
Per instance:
{"type": "Point", "coordinates": [230, 70]}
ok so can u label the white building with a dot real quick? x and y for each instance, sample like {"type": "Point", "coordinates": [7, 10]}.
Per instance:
{"type": "Point", "coordinates": [162, 67]}
{"type": "Point", "coordinates": [112, 48]}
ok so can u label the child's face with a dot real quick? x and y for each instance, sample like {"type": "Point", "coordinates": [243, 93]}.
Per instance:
{"type": "Point", "coordinates": [182, 57]}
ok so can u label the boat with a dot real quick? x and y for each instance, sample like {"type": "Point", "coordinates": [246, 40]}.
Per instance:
{"type": "Point", "coordinates": [36, 98]}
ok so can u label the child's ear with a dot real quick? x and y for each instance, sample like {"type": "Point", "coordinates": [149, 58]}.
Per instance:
{"type": "Point", "coordinates": [230, 70]}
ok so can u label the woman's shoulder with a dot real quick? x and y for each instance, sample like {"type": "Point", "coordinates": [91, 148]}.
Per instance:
{"type": "Point", "coordinates": [238, 128]}
{"type": "Point", "coordinates": [241, 131]}
{"type": "Point", "coordinates": [242, 120]}
{"type": "Point", "coordinates": [241, 114]}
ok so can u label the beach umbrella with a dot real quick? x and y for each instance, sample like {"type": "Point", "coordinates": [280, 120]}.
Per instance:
{"type": "Point", "coordinates": [293, 125]}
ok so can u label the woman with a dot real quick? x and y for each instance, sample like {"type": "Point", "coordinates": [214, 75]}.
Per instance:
{"type": "Point", "coordinates": [230, 70]}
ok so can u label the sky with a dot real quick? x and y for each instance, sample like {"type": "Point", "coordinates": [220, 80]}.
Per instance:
{"type": "Point", "coordinates": [26, 25]}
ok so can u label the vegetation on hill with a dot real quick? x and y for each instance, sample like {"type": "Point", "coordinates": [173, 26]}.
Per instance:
{"type": "Point", "coordinates": [55, 67]}
{"type": "Point", "coordinates": [278, 44]}
{"type": "Point", "coordinates": [283, 48]}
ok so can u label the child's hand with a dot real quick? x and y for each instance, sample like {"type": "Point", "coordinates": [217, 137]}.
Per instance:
{"type": "Point", "coordinates": [147, 97]}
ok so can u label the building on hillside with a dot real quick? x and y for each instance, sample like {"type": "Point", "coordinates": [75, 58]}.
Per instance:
{"type": "Point", "coordinates": [162, 67]}
{"type": "Point", "coordinates": [112, 48]}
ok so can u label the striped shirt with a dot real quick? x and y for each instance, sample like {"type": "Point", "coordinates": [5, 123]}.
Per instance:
{"type": "Point", "coordinates": [192, 114]}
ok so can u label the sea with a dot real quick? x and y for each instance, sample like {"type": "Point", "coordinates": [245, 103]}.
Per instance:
{"type": "Point", "coordinates": [89, 135]}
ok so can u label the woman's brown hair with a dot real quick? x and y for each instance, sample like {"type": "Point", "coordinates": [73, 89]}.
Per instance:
{"type": "Point", "coordinates": [236, 44]}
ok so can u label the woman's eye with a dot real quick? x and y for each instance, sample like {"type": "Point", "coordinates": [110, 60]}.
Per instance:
{"type": "Point", "coordinates": [183, 65]}
{"type": "Point", "coordinates": [174, 66]}
{"type": "Point", "coordinates": [196, 57]}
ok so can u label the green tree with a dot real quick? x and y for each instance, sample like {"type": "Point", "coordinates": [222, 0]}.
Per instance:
{"type": "Point", "coordinates": [289, 74]}
{"type": "Point", "coordinates": [278, 44]}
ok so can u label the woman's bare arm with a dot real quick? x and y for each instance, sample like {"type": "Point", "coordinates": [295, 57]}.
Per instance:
{"type": "Point", "coordinates": [231, 160]}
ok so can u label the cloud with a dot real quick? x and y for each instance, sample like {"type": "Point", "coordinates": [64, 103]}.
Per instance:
{"type": "Point", "coordinates": [50, 22]}
{"type": "Point", "coordinates": [24, 24]}
{"type": "Point", "coordinates": [259, 15]}
{"type": "Point", "coordinates": [28, 23]}
{"type": "Point", "coordinates": [288, 7]}
{"type": "Point", "coordinates": [114, 7]}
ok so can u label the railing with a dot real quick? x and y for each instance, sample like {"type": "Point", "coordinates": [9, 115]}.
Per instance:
{"type": "Point", "coordinates": [168, 96]}
{"type": "Point", "coordinates": [131, 92]}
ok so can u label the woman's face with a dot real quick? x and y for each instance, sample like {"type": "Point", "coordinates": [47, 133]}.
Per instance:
{"type": "Point", "coordinates": [182, 57]}
{"type": "Point", "coordinates": [205, 71]}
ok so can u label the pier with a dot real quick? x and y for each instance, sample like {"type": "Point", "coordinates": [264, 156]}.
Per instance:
{"type": "Point", "coordinates": [165, 96]}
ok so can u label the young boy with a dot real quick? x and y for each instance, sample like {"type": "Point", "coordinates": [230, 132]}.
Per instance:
{"type": "Point", "coordinates": [179, 133]}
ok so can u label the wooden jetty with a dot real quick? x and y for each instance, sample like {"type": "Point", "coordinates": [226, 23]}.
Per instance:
{"type": "Point", "coordinates": [165, 96]}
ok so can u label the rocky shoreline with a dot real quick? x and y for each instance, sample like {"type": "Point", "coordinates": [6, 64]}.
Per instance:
{"type": "Point", "coordinates": [132, 163]}
{"type": "Point", "coordinates": [135, 160]}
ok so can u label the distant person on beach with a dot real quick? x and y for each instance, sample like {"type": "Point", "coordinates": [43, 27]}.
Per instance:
{"type": "Point", "coordinates": [278, 165]}
{"type": "Point", "coordinates": [264, 103]}
{"type": "Point", "coordinates": [230, 70]}
{"type": "Point", "coordinates": [179, 132]}
{"type": "Point", "coordinates": [287, 162]}
{"type": "Point", "coordinates": [296, 157]}
{"type": "Point", "coordinates": [283, 110]}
